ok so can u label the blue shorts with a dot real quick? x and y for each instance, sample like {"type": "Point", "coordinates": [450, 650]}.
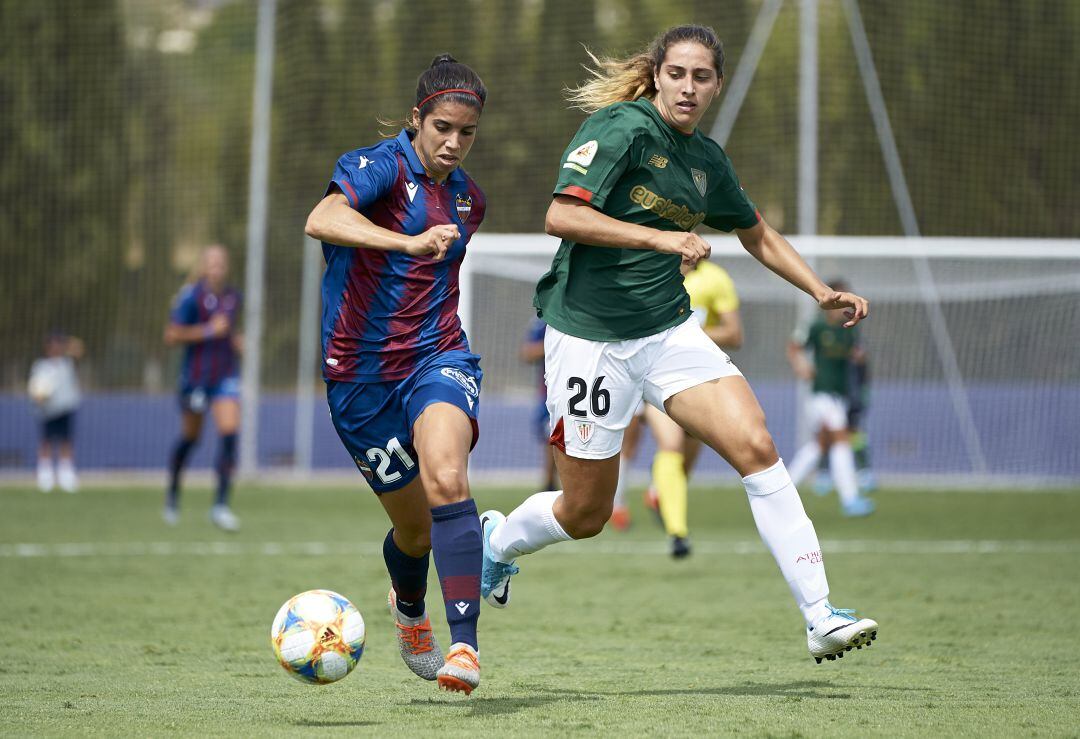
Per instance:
{"type": "Point", "coordinates": [542, 422]}
{"type": "Point", "coordinates": [375, 419]}
{"type": "Point", "coordinates": [199, 398]}
{"type": "Point", "coordinates": [58, 428]}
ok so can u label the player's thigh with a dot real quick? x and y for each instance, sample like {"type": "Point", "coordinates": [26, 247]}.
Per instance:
{"type": "Point", "coordinates": [442, 436]}
{"type": "Point", "coordinates": [190, 424]}
{"type": "Point", "coordinates": [410, 515]}
{"type": "Point", "coordinates": [725, 414]}
{"type": "Point", "coordinates": [371, 423]}
{"type": "Point", "coordinates": [588, 492]}
{"type": "Point", "coordinates": [226, 413]}
{"type": "Point", "coordinates": [669, 435]}
{"type": "Point", "coordinates": [593, 390]}
{"type": "Point", "coordinates": [691, 453]}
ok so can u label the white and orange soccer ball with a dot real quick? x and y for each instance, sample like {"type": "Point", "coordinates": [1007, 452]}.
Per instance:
{"type": "Point", "coordinates": [318, 636]}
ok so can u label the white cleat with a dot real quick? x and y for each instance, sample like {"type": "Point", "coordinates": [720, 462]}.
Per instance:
{"type": "Point", "coordinates": [416, 642]}
{"type": "Point", "coordinates": [839, 632]}
{"type": "Point", "coordinates": [495, 577]}
{"type": "Point", "coordinates": [223, 517]}
{"type": "Point", "coordinates": [461, 673]}
{"type": "Point", "coordinates": [170, 515]}
{"type": "Point", "coordinates": [69, 481]}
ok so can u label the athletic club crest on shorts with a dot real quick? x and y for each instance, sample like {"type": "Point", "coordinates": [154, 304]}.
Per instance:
{"type": "Point", "coordinates": [584, 431]}
{"type": "Point", "coordinates": [463, 203]}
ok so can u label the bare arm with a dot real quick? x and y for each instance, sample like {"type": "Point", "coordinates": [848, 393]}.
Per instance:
{"type": "Point", "coordinates": [728, 333]}
{"type": "Point", "coordinates": [767, 246]}
{"type": "Point", "coordinates": [75, 349]}
{"type": "Point", "coordinates": [575, 220]}
{"type": "Point", "coordinates": [179, 333]}
{"type": "Point", "coordinates": [532, 352]}
{"type": "Point", "coordinates": [334, 221]}
{"type": "Point", "coordinates": [800, 365]}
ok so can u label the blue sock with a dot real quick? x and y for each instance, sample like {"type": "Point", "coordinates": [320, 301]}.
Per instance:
{"type": "Point", "coordinates": [458, 547]}
{"type": "Point", "coordinates": [176, 466]}
{"type": "Point", "coordinates": [226, 461]}
{"type": "Point", "coordinates": [408, 576]}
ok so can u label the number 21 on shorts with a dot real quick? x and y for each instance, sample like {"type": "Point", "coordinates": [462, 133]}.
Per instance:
{"type": "Point", "coordinates": [381, 458]}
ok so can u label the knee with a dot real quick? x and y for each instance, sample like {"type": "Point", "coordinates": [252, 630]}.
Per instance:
{"type": "Point", "coordinates": [414, 542]}
{"type": "Point", "coordinates": [760, 449]}
{"type": "Point", "coordinates": [586, 521]}
{"type": "Point", "coordinates": [446, 485]}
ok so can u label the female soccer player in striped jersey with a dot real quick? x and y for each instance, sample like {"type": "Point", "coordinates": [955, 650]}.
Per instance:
{"type": "Point", "coordinates": [403, 387]}
{"type": "Point", "coordinates": [635, 181]}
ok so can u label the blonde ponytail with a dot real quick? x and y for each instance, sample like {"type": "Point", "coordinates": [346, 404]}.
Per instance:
{"type": "Point", "coordinates": [616, 80]}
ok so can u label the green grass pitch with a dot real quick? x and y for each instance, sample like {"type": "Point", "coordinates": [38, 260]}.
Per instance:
{"type": "Point", "coordinates": [117, 625]}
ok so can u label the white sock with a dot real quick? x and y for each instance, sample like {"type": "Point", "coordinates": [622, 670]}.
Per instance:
{"type": "Point", "coordinates": [46, 479]}
{"type": "Point", "coordinates": [529, 528]}
{"type": "Point", "coordinates": [806, 461]}
{"type": "Point", "coordinates": [842, 467]}
{"type": "Point", "coordinates": [620, 487]}
{"type": "Point", "coordinates": [788, 533]}
{"type": "Point", "coordinates": [66, 475]}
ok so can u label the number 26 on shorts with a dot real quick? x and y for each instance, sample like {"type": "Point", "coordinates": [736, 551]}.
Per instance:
{"type": "Point", "coordinates": [599, 398]}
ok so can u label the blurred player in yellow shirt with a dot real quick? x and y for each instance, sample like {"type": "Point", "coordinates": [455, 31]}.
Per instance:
{"type": "Point", "coordinates": [716, 307]}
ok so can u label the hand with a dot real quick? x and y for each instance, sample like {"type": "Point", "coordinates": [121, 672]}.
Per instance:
{"type": "Point", "coordinates": [691, 247]}
{"type": "Point", "coordinates": [435, 241]}
{"type": "Point", "coordinates": [857, 308]}
{"type": "Point", "coordinates": [219, 325]}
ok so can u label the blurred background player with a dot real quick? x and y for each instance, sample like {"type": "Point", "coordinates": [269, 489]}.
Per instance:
{"type": "Point", "coordinates": [402, 383]}
{"type": "Point", "coordinates": [203, 321]}
{"type": "Point", "coordinates": [532, 351]}
{"type": "Point", "coordinates": [858, 405]}
{"type": "Point", "coordinates": [715, 304]}
{"type": "Point", "coordinates": [833, 349]}
{"type": "Point", "coordinates": [54, 387]}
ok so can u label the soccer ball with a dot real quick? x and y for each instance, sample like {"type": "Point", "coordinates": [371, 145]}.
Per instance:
{"type": "Point", "coordinates": [318, 636]}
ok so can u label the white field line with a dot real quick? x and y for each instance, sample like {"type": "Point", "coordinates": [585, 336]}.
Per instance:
{"type": "Point", "coordinates": [618, 548]}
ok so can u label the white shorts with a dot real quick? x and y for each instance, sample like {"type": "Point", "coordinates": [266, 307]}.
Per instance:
{"type": "Point", "coordinates": [595, 387]}
{"type": "Point", "coordinates": [828, 411]}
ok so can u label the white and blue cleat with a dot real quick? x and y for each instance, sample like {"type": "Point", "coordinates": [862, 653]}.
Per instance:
{"type": "Point", "coordinates": [858, 508]}
{"type": "Point", "coordinates": [839, 632]}
{"type": "Point", "coordinates": [495, 578]}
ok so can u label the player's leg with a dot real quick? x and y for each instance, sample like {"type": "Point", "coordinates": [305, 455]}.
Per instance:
{"type": "Point", "coordinates": [842, 469]}
{"type": "Point", "coordinates": [46, 476]}
{"type": "Point", "coordinates": [190, 427]}
{"type": "Point", "coordinates": [620, 510]}
{"type": "Point", "coordinates": [810, 454]}
{"type": "Point", "coordinates": [65, 464]}
{"type": "Point", "coordinates": [406, 551]}
{"type": "Point", "coordinates": [705, 393]}
{"type": "Point", "coordinates": [669, 477]}
{"type": "Point", "coordinates": [226, 411]}
{"type": "Point", "coordinates": [593, 390]}
{"type": "Point", "coordinates": [725, 414]}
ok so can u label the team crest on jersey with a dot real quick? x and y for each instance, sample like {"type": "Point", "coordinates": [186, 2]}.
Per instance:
{"type": "Point", "coordinates": [584, 154]}
{"type": "Point", "coordinates": [363, 467]}
{"type": "Point", "coordinates": [466, 381]}
{"type": "Point", "coordinates": [699, 180]}
{"type": "Point", "coordinates": [584, 431]}
{"type": "Point", "coordinates": [463, 203]}
{"type": "Point", "coordinates": [209, 301]}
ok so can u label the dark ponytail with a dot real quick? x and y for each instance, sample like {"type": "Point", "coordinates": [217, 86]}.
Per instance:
{"type": "Point", "coordinates": [448, 74]}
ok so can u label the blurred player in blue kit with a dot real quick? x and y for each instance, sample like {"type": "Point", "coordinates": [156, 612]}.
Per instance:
{"type": "Point", "coordinates": [402, 384]}
{"type": "Point", "coordinates": [203, 321]}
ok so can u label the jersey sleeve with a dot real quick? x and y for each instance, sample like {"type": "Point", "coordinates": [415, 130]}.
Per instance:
{"type": "Point", "coordinates": [365, 175]}
{"type": "Point", "coordinates": [597, 157]}
{"type": "Point", "coordinates": [729, 205]}
{"type": "Point", "coordinates": [184, 310]}
{"type": "Point", "coordinates": [725, 298]}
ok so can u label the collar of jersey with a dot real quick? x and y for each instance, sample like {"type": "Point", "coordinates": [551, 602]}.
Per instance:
{"type": "Point", "coordinates": [404, 140]}
{"type": "Point", "coordinates": [651, 110]}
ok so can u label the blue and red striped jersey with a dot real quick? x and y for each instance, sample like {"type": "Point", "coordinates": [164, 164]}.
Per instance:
{"type": "Point", "coordinates": [207, 363]}
{"type": "Point", "coordinates": [385, 311]}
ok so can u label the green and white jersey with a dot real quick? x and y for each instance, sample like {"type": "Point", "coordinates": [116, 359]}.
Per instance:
{"type": "Point", "coordinates": [832, 346]}
{"type": "Point", "coordinates": [628, 163]}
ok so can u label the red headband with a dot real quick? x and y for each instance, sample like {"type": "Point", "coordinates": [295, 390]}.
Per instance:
{"type": "Point", "coordinates": [443, 92]}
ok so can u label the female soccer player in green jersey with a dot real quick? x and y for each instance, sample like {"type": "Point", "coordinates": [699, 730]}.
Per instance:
{"type": "Point", "coordinates": [634, 183]}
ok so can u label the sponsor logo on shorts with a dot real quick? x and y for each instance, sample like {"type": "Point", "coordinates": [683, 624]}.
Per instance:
{"type": "Point", "coordinates": [466, 381]}
{"type": "Point", "coordinates": [363, 467]}
{"type": "Point", "coordinates": [584, 431]}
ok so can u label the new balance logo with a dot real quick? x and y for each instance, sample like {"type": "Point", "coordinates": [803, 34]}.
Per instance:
{"type": "Point", "coordinates": [410, 187]}
{"type": "Point", "coordinates": [462, 606]}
